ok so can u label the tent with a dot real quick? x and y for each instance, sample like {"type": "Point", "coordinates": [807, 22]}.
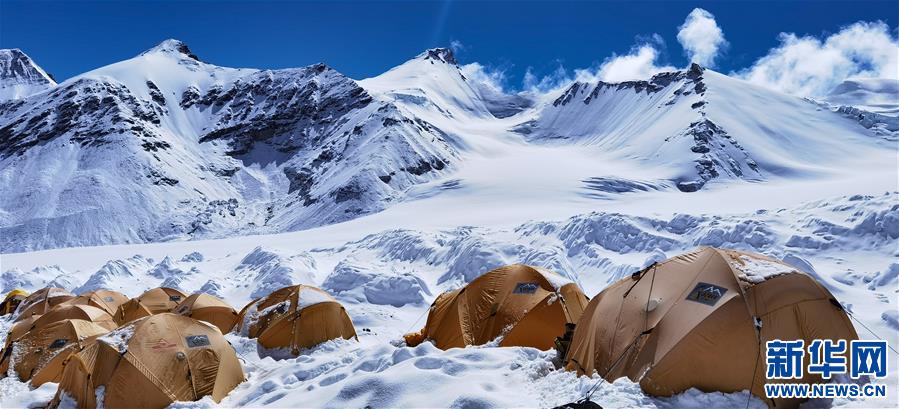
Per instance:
{"type": "Point", "coordinates": [208, 308]}
{"type": "Point", "coordinates": [52, 370]}
{"type": "Point", "coordinates": [19, 328]}
{"type": "Point", "coordinates": [107, 300]}
{"type": "Point", "coordinates": [76, 312]}
{"type": "Point", "coordinates": [37, 347]}
{"type": "Point", "coordinates": [11, 301]}
{"type": "Point", "coordinates": [153, 301]}
{"type": "Point", "coordinates": [151, 363]}
{"type": "Point", "coordinates": [528, 306]}
{"type": "Point", "coordinates": [294, 318]}
{"type": "Point", "coordinates": [42, 300]}
{"type": "Point", "coordinates": [701, 320]}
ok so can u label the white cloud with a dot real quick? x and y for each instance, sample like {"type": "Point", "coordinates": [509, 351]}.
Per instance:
{"type": "Point", "coordinates": [701, 37]}
{"type": "Point", "coordinates": [457, 46]}
{"type": "Point", "coordinates": [557, 79]}
{"type": "Point", "coordinates": [640, 64]}
{"type": "Point", "coordinates": [493, 78]}
{"type": "Point", "coordinates": [809, 66]}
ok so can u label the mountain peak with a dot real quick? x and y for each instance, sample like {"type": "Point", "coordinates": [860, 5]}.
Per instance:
{"type": "Point", "coordinates": [20, 76]}
{"type": "Point", "coordinates": [15, 64]}
{"type": "Point", "coordinates": [444, 55]}
{"type": "Point", "coordinates": [173, 46]}
{"type": "Point", "coordinates": [695, 69]}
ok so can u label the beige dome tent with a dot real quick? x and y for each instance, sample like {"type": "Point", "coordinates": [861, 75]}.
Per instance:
{"type": "Point", "coordinates": [151, 363]}
{"type": "Point", "coordinates": [690, 322]}
{"type": "Point", "coordinates": [42, 300]}
{"type": "Point", "coordinates": [37, 347]}
{"type": "Point", "coordinates": [295, 317]}
{"type": "Point", "coordinates": [208, 308]}
{"type": "Point", "coordinates": [107, 300]}
{"type": "Point", "coordinates": [19, 328]}
{"type": "Point", "coordinates": [53, 369]}
{"type": "Point", "coordinates": [154, 301]}
{"type": "Point", "coordinates": [535, 303]}
{"type": "Point", "coordinates": [76, 312]}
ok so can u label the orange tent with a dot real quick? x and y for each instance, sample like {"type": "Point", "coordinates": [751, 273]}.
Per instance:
{"type": "Point", "coordinates": [76, 312]}
{"type": "Point", "coordinates": [208, 308]}
{"type": "Point", "coordinates": [41, 301]}
{"type": "Point", "coordinates": [690, 322]}
{"type": "Point", "coordinates": [107, 300]}
{"type": "Point", "coordinates": [528, 306]}
{"type": "Point", "coordinates": [153, 301]}
{"type": "Point", "coordinates": [295, 317]}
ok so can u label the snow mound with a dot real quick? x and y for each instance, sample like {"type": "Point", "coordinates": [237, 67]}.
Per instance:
{"type": "Point", "coordinates": [269, 271]}
{"type": "Point", "coordinates": [193, 257]}
{"type": "Point", "coordinates": [165, 269]}
{"type": "Point", "coordinates": [119, 275]}
{"type": "Point", "coordinates": [37, 278]}
{"type": "Point", "coordinates": [382, 286]}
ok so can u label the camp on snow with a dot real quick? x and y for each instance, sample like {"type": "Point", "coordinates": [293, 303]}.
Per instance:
{"type": "Point", "coordinates": [296, 317]}
{"type": "Point", "coordinates": [701, 320]}
{"type": "Point", "coordinates": [697, 320]}
{"type": "Point", "coordinates": [528, 306]}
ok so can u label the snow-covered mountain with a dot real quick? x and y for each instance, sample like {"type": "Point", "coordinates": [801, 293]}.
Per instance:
{"type": "Point", "coordinates": [164, 146]}
{"type": "Point", "coordinates": [704, 125]}
{"type": "Point", "coordinates": [877, 95]}
{"type": "Point", "coordinates": [20, 76]}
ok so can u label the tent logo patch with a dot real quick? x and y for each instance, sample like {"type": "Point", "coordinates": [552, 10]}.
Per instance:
{"type": "Point", "coordinates": [525, 288]}
{"type": "Point", "coordinates": [174, 298]}
{"type": "Point", "coordinates": [194, 341]}
{"type": "Point", "coordinates": [706, 293]}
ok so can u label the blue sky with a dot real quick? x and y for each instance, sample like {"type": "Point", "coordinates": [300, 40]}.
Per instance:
{"type": "Point", "coordinates": [362, 39]}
